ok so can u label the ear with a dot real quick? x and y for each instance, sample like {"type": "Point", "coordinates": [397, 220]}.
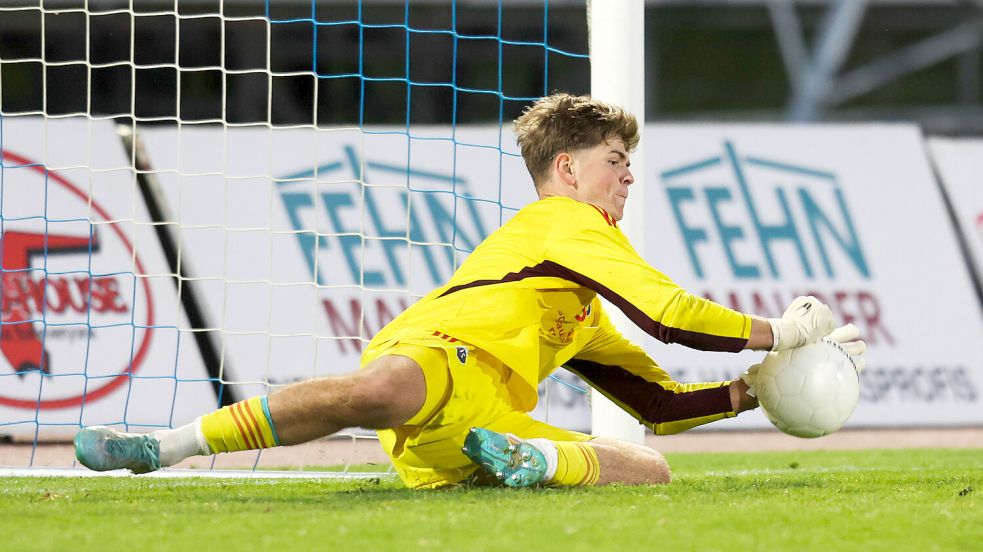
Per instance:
{"type": "Point", "coordinates": [563, 168]}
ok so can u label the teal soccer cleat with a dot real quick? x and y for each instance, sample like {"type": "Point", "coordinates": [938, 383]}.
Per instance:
{"type": "Point", "coordinates": [102, 448]}
{"type": "Point", "coordinates": [512, 461]}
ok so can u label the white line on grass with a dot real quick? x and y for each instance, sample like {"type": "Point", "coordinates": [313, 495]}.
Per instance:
{"type": "Point", "coordinates": [171, 474]}
{"type": "Point", "coordinates": [786, 471]}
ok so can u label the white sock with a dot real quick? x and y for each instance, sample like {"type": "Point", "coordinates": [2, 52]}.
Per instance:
{"type": "Point", "coordinates": [548, 448]}
{"type": "Point", "coordinates": [180, 443]}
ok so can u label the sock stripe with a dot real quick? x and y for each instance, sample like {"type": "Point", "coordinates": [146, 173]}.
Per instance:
{"type": "Point", "coordinates": [595, 464]}
{"type": "Point", "coordinates": [255, 426]}
{"type": "Point", "coordinates": [243, 410]}
{"type": "Point", "coordinates": [264, 403]}
{"type": "Point", "coordinates": [576, 468]}
{"type": "Point", "coordinates": [588, 474]}
{"type": "Point", "coordinates": [239, 424]}
{"type": "Point", "coordinates": [244, 425]}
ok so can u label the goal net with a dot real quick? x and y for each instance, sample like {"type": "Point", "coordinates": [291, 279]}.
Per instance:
{"type": "Point", "coordinates": [204, 200]}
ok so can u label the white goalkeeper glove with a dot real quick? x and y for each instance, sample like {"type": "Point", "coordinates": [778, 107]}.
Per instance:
{"type": "Point", "coordinates": [748, 378]}
{"type": "Point", "coordinates": [806, 320]}
{"type": "Point", "coordinates": [846, 336]}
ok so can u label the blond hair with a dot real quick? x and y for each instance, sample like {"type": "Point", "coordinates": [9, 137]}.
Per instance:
{"type": "Point", "coordinates": [564, 123]}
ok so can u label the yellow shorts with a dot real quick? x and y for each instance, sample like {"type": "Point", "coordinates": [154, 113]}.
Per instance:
{"type": "Point", "coordinates": [466, 388]}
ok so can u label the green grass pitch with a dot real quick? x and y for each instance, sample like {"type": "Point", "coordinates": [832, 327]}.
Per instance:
{"type": "Point", "coordinates": [891, 500]}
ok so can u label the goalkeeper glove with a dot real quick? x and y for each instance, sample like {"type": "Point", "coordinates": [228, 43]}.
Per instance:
{"type": "Point", "coordinates": [748, 377]}
{"type": "Point", "coordinates": [806, 320]}
{"type": "Point", "coordinates": [847, 336]}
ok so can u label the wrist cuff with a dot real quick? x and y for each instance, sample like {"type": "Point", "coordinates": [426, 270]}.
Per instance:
{"type": "Point", "coordinates": [776, 334]}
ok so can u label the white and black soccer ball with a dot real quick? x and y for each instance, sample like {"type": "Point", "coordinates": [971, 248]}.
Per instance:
{"type": "Point", "coordinates": [810, 391]}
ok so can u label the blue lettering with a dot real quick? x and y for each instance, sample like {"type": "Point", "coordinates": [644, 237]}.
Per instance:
{"type": "Point", "coordinates": [766, 233]}
{"type": "Point", "coordinates": [307, 240]}
{"type": "Point", "coordinates": [446, 227]}
{"type": "Point", "coordinates": [349, 239]}
{"type": "Point", "coordinates": [821, 224]}
{"type": "Point", "coordinates": [691, 235]}
{"type": "Point", "coordinates": [850, 244]}
{"type": "Point", "coordinates": [418, 237]}
{"type": "Point", "coordinates": [729, 233]}
{"type": "Point", "coordinates": [389, 245]}
{"type": "Point", "coordinates": [787, 231]}
{"type": "Point", "coordinates": [472, 242]}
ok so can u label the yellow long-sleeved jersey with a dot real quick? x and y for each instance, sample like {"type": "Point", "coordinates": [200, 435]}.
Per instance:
{"type": "Point", "coordinates": [528, 295]}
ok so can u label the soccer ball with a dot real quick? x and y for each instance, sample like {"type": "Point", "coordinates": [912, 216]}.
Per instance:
{"type": "Point", "coordinates": [809, 391]}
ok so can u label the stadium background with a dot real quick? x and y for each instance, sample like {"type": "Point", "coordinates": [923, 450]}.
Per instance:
{"type": "Point", "coordinates": [709, 62]}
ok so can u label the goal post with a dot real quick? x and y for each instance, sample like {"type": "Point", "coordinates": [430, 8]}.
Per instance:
{"type": "Point", "coordinates": [617, 55]}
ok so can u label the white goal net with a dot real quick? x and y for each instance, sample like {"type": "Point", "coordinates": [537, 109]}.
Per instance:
{"type": "Point", "coordinates": [302, 172]}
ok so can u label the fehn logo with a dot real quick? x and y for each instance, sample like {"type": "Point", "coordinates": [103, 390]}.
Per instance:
{"type": "Point", "coordinates": [760, 231]}
{"type": "Point", "coordinates": [375, 229]}
{"type": "Point", "coordinates": [770, 230]}
{"type": "Point", "coordinates": [68, 330]}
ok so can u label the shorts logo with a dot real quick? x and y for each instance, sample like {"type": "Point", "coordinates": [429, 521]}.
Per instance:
{"type": "Point", "coordinates": [462, 354]}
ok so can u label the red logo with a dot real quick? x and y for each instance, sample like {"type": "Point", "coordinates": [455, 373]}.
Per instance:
{"type": "Point", "coordinates": [584, 313]}
{"type": "Point", "coordinates": [63, 309]}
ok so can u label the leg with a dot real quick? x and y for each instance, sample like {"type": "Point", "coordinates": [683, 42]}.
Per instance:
{"type": "Point", "coordinates": [388, 392]}
{"type": "Point", "coordinates": [629, 463]}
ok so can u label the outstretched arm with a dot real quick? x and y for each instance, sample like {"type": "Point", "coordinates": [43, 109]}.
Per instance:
{"type": "Point", "coordinates": [624, 373]}
{"type": "Point", "coordinates": [594, 253]}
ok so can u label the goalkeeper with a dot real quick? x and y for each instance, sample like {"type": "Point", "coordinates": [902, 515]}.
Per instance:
{"type": "Point", "coordinates": [449, 383]}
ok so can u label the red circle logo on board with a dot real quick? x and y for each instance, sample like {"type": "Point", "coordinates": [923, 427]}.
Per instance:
{"type": "Point", "coordinates": [77, 320]}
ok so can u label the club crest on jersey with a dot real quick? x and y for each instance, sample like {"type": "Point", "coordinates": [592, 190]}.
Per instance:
{"type": "Point", "coordinates": [462, 354]}
{"type": "Point", "coordinates": [584, 313]}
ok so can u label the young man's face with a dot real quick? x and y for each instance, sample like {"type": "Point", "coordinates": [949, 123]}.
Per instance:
{"type": "Point", "coordinates": [603, 176]}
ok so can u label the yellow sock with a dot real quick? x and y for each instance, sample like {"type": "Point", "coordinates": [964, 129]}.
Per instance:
{"type": "Point", "coordinates": [245, 425]}
{"type": "Point", "coordinates": [576, 464]}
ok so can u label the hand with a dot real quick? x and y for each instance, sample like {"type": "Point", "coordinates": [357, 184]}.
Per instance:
{"type": "Point", "coordinates": [847, 336]}
{"type": "Point", "coordinates": [806, 320]}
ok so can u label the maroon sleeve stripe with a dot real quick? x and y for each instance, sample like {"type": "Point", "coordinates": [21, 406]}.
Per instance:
{"type": "Point", "coordinates": [653, 403]}
{"type": "Point", "coordinates": [538, 271]}
{"type": "Point", "coordinates": [665, 334]}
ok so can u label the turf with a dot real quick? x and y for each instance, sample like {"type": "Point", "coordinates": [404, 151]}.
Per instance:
{"type": "Point", "coordinates": [871, 500]}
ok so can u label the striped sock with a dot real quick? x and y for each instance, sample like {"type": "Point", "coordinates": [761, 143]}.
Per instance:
{"type": "Point", "coordinates": [576, 464]}
{"type": "Point", "coordinates": [245, 425]}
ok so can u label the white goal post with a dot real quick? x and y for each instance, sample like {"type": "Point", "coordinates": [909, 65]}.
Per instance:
{"type": "Point", "coordinates": [617, 52]}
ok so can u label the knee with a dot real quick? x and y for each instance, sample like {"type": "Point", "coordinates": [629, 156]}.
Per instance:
{"type": "Point", "coordinates": [631, 464]}
{"type": "Point", "coordinates": [652, 467]}
{"type": "Point", "coordinates": [658, 469]}
{"type": "Point", "coordinates": [388, 392]}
